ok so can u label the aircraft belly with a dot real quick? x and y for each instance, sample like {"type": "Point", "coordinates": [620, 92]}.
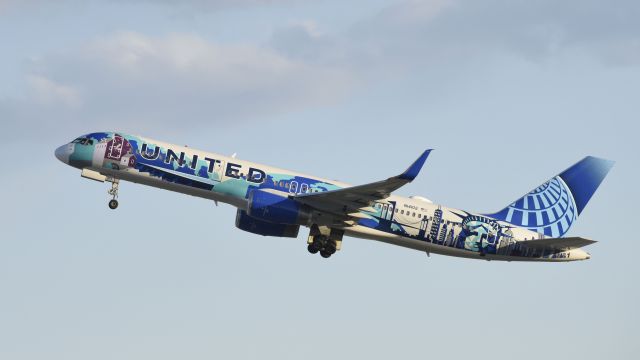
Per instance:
{"type": "Point", "coordinates": [364, 232]}
{"type": "Point", "coordinates": [144, 179]}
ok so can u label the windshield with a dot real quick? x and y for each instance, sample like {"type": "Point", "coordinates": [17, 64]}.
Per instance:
{"type": "Point", "coordinates": [82, 141]}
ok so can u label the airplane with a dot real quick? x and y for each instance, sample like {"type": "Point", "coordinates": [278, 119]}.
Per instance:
{"type": "Point", "coordinates": [276, 202]}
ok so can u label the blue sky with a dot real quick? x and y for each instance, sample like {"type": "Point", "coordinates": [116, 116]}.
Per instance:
{"type": "Point", "coordinates": [508, 93]}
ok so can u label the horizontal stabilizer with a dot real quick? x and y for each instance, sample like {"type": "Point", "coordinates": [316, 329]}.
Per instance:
{"type": "Point", "coordinates": [558, 243]}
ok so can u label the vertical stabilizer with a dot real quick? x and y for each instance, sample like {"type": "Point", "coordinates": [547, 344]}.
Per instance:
{"type": "Point", "coordinates": [554, 206]}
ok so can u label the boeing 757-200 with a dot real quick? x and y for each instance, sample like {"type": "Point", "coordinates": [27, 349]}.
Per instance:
{"type": "Point", "coordinates": [276, 202]}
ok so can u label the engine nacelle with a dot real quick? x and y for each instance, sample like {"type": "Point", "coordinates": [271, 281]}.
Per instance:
{"type": "Point", "coordinates": [276, 208]}
{"type": "Point", "coordinates": [265, 228]}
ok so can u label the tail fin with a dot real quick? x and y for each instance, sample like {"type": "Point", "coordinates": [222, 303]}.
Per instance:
{"type": "Point", "coordinates": [554, 206]}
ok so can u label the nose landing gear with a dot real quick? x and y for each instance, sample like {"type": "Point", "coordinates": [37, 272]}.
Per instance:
{"type": "Point", "coordinates": [113, 203]}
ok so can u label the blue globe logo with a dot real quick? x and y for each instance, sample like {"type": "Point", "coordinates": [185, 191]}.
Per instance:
{"type": "Point", "coordinates": [549, 209]}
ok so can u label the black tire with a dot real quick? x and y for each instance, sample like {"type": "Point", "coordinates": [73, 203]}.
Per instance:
{"type": "Point", "coordinates": [113, 204]}
{"type": "Point", "coordinates": [330, 249]}
{"type": "Point", "coordinates": [313, 248]}
{"type": "Point", "coordinates": [325, 254]}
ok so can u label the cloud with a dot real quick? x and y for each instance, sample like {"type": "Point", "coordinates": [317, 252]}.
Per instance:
{"type": "Point", "coordinates": [175, 81]}
{"type": "Point", "coordinates": [210, 4]}
{"type": "Point", "coordinates": [304, 40]}
{"type": "Point", "coordinates": [192, 4]}
{"type": "Point", "coordinates": [183, 80]}
{"type": "Point", "coordinates": [47, 92]}
{"type": "Point", "coordinates": [413, 34]}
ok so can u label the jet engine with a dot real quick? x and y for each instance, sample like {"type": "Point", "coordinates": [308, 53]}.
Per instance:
{"type": "Point", "coordinates": [265, 228]}
{"type": "Point", "coordinates": [276, 208]}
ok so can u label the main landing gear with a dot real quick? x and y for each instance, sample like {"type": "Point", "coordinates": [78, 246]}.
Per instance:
{"type": "Point", "coordinates": [322, 245]}
{"type": "Point", "coordinates": [324, 240]}
{"type": "Point", "coordinates": [113, 203]}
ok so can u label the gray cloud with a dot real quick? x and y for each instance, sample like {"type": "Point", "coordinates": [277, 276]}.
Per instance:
{"type": "Point", "coordinates": [421, 32]}
{"type": "Point", "coordinates": [210, 4]}
{"type": "Point", "coordinates": [193, 4]}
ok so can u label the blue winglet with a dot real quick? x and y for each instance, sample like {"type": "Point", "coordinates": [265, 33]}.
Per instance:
{"type": "Point", "coordinates": [413, 170]}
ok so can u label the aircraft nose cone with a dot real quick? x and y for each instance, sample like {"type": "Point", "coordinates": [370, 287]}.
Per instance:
{"type": "Point", "coordinates": [62, 153]}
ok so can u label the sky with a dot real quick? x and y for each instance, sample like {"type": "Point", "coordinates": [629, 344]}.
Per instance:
{"type": "Point", "coordinates": [508, 93]}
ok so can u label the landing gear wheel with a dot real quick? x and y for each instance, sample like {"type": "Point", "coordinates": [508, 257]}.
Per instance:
{"type": "Point", "coordinates": [325, 254]}
{"type": "Point", "coordinates": [330, 248]}
{"type": "Point", "coordinates": [313, 248]}
{"type": "Point", "coordinates": [324, 240]}
{"type": "Point", "coordinates": [113, 204]}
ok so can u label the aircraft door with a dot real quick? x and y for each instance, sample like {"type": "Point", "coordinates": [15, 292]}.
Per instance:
{"type": "Point", "coordinates": [386, 212]}
{"type": "Point", "coordinates": [390, 210]}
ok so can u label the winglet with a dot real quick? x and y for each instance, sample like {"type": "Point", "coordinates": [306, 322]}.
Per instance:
{"type": "Point", "coordinates": [415, 168]}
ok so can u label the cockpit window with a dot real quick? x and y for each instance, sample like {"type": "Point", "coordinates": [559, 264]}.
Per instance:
{"type": "Point", "coordinates": [82, 141]}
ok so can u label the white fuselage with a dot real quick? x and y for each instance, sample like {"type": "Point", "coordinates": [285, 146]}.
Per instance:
{"type": "Point", "coordinates": [414, 223]}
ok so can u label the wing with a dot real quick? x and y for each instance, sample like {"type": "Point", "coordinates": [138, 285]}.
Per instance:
{"type": "Point", "coordinates": [348, 201]}
{"type": "Point", "coordinates": [558, 243]}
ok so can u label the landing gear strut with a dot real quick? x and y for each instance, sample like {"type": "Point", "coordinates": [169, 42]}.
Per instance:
{"type": "Point", "coordinates": [324, 240]}
{"type": "Point", "coordinates": [113, 203]}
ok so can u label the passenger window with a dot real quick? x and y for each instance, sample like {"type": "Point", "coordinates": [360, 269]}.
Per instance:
{"type": "Point", "coordinates": [304, 188]}
{"type": "Point", "coordinates": [402, 212]}
{"type": "Point", "coordinates": [294, 187]}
